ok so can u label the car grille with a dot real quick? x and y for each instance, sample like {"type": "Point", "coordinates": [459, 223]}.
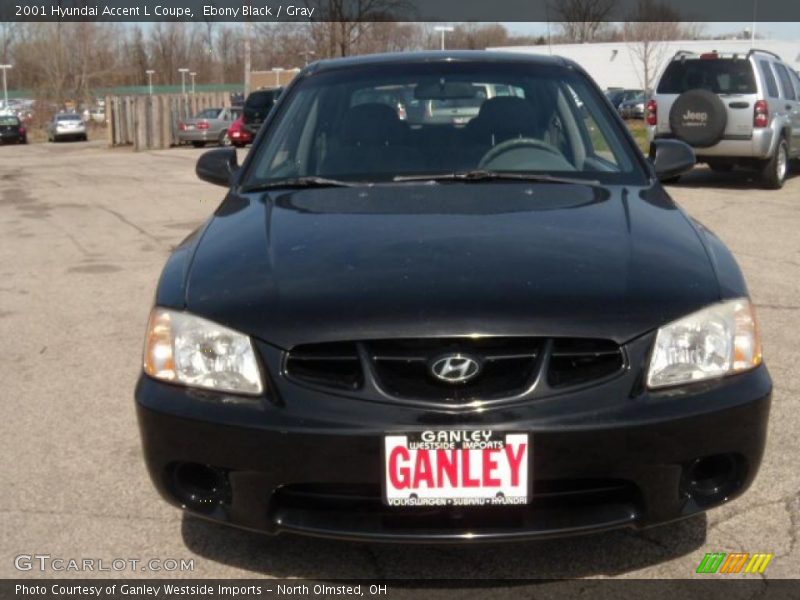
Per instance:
{"type": "Point", "coordinates": [577, 361]}
{"type": "Point", "coordinates": [401, 368]}
{"type": "Point", "coordinates": [333, 364]}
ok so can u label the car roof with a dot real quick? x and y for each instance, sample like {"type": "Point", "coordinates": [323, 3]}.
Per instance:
{"type": "Point", "coordinates": [409, 58]}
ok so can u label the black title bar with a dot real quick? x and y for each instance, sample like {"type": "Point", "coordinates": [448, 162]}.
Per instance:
{"type": "Point", "coordinates": [396, 10]}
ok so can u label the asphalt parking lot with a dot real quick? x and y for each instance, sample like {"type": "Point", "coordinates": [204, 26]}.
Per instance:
{"type": "Point", "coordinates": [84, 232]}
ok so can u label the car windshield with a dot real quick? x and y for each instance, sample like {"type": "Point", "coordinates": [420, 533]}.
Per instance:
{"type": "Point", "coordinates": [5, 120]}
{"type": "Point", "coordinates": [717, 75]}
{"type": "Point", "coordinates": [528, 118]}
{"type": "Point", "coordinates": [68, 118]}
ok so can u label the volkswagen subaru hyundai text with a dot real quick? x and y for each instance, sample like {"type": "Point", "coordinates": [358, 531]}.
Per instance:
{"type": "Point", "coordinates": [398, 330]}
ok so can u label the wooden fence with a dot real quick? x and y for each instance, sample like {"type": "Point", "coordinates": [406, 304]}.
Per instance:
{"type": "Point", "coordinates": [151, 122]}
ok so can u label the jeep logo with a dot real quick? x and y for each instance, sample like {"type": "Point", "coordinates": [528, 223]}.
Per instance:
{"type": "Point", "coordinates": [702, 117]}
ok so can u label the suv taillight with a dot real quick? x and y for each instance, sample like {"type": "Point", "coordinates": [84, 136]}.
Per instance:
{"type": "Point", "coordinates": [760, 114]}
{"type": "Point", "coordinates": [652, 112]}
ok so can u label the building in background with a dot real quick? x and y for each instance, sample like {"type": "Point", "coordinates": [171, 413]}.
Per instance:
{"type": "Point", "coordinates": [621, 64]}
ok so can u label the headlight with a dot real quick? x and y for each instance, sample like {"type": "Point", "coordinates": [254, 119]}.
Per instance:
{"type": "Point", "coordinates": [186, 349]}
{"type": "Point", "coordinates": [716, 341]}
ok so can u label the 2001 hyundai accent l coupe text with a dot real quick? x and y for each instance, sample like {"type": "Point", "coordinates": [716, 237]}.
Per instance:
{"type": "Point", "coordinates": [411, 329]}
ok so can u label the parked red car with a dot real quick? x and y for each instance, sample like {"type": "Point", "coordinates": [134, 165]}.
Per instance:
{"type": "Point", "coordinates": [238, 135]}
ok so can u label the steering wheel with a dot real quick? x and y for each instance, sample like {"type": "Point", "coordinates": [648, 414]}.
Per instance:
{"type": "Point", "coordinates": [515, 144]}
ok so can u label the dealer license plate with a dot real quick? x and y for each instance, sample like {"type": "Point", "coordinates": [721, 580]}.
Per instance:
{"type": "Point", "coordinates": [456, 468]}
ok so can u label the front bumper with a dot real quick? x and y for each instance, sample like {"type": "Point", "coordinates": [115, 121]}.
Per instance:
{"type": "Point", "coordinates": [310, 462]}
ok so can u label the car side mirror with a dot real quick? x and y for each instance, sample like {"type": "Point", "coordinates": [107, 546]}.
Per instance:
{"type": "Point", "coordinates": [671, 158]}
{"type": "Point", "coordinates": [217, 166]}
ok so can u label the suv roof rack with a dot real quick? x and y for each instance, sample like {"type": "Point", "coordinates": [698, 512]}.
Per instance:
{"type": "Point", "coordinates": [754, 50]}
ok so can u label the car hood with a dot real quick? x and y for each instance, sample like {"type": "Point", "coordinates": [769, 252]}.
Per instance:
{"type": "Point", "coordinates": [451, 259]}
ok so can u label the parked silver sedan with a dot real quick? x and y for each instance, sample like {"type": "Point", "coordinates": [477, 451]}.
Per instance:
{"type": "Point", "coordinates": [66, 125]}
{"type": "Point", "coordinates": [209, 125]}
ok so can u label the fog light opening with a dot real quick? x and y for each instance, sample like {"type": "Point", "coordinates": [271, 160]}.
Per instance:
{"type": "Point", "coordinates": [713, 476]}
{"type": "Point", "coordinates": [199, 486]}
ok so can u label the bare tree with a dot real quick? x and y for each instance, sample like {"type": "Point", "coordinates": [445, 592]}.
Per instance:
{"type": "Point", "coordinates": [584, 21]}
{"type": "Point", "coordinates": [8, 35]}
{"type": "Point", "coordinates": [477, 36]}
{"type": "Point", "coordinates": [646, 33]}
{"type": "Point", "coordinates": [343, 23]}
{"type": "Point", "coordinates": [229, 54]}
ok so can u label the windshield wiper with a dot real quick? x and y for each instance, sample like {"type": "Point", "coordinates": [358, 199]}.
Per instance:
{"type": "Point", "coordinates": [486, 175]}
{"type": "Point", "coordinates": [302, 182]}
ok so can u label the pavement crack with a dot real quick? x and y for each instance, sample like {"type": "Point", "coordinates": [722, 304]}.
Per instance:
{"type": "Point", "coordinates": [778, 306]}
{"type": "Point", "coordinates": [771, 259]}
{"type": "Point", "coordinates": [128, 222]}
{"type": "Point", "coordinates": [60, 513]}
{"type": "Point", "coordinates": [747, 509]}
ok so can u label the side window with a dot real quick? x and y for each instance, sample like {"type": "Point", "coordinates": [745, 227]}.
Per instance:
{"type": "Point", "coordinates": [796, 80]}
{"type": "Point", "coordinates": [786, 83]}
{"type": "Point", "coordinates": [769, 78]}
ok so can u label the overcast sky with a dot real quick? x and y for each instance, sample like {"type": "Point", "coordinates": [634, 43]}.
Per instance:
{"type": "Point", "coordinates": [780, 31]}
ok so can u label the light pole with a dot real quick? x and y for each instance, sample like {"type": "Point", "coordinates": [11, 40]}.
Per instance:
{"type": "Point", "coordinates": [183, 73]}
{"type": "Point", "coordinates": [443, 29]}
{"type": "Point", "coordinates": [278, 71]}
{"type": "Point", "coordinates": [5, 85]}
{"type": "Point", "coordinates": [192, 74]}
{"type": "Point", "coordinates": [150, 74]}
{"type": "Point", "coordinates": [247, 58]}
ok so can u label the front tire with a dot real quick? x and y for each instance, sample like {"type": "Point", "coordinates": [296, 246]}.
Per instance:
{"type": "Point", "coordinates": [774, 170]}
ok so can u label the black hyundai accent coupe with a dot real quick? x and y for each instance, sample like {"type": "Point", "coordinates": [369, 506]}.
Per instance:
{"type": "Point", "coordinates": [493, 326]}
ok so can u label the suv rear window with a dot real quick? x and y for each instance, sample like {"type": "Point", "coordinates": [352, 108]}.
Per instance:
{"type": "Point", "coordinates": [720, 76]}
